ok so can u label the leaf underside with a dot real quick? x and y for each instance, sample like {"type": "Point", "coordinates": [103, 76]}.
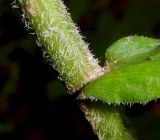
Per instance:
{"type": "Point", "coordinates": [132, 49]}
{"type": "Point", "coordinates": [137, 83]}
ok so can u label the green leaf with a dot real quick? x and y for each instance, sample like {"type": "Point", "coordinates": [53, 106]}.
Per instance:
{"type": "Point", "coordinates": [133, 49]}
{"type": "Point", "coordinates": [137, 83]}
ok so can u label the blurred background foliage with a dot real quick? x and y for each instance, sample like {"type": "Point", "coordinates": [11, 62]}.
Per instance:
{"type": "Point", "coordinates": [34, 104]}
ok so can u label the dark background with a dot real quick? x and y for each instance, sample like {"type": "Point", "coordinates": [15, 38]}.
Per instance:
{"type": "Point", "coordinates": [34, 104]}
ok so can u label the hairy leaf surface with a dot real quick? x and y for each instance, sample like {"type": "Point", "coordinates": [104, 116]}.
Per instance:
{"type": "Point", "coordinates": [132, 49]}
{"type": "Point", "coordinates": [136, 83]}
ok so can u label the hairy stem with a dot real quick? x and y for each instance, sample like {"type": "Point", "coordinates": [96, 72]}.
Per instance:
{"type": "Point", "coordinates": [69, 54]}
{"type": "Point", "coordinates": [61, 41]}
{"type": "Point", "coordinates": [106, 121]}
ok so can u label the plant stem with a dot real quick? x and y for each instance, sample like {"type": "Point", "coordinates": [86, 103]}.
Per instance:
{"type": "Point", "coordinates": [69, 54]}
{"type": "Point", "coordinates": [62, 44]}
{"type": "Point", "coordinates": [106, 121]}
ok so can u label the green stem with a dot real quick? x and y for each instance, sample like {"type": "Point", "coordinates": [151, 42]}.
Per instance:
{"type": "Point", "coordinates": [64, 47]}
{"type": "Point", "coordinates": [62, 43]}
{"type": "Point", "coordinates": [106, 121]}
